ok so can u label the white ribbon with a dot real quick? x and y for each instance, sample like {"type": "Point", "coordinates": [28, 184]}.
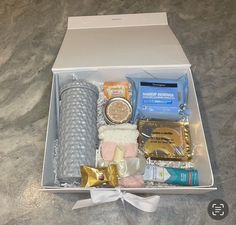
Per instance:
{"type": "Point", "coordinates": [148, 204]}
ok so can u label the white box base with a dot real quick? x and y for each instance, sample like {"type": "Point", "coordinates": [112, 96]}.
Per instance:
{"type": "Point", "coordinates": [201, 158]}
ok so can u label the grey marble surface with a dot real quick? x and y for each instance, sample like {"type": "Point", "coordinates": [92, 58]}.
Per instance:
{"type": "Point", "coordinates": [31, 32]}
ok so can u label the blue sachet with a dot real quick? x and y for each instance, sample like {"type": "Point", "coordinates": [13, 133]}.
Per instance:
{"type": "Point", "coordinates": [159, 98]}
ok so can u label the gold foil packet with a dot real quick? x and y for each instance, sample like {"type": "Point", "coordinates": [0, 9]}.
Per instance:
{"type": "Point", "coordinates": [92, 177]}
{"type": "Point", "coordinates": [165, 140]}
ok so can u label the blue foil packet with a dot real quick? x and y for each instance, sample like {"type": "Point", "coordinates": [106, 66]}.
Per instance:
{"type": "Point", "coordinates": [159, 98]}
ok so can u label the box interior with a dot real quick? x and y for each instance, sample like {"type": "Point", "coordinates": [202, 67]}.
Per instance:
{"type": "Point", "coordinates": [200, 158]}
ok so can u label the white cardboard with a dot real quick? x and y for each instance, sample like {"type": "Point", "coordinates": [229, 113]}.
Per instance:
{"type": "Point", "coordinates": [106, 41]}
{"type": "Point", "coordinates": [84, 53]}
{"type": "Point", "coordinates": [126, 20]}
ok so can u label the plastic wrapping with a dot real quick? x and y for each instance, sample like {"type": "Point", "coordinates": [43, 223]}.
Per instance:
{"type": "Point", "coordinates": [159, 98]}
{"type": "Point", "coordinates": [167, 140]}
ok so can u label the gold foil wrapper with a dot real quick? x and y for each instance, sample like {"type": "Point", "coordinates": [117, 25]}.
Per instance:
{"type": "Point", "coordinates": [92, 177]}
{"type": "Point", "coordinates": [165, 140]}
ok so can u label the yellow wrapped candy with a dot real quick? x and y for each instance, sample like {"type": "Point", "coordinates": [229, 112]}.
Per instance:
{"type": "Point", "coordinates": [119, 154]}
{"type": "Point", "coordinates": [92, 177]}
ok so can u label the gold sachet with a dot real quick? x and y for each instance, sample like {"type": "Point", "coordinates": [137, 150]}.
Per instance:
{"type": "Point", "coordinates": [92, 177]}
{"type": "Point", "coordinates": [165, 140]}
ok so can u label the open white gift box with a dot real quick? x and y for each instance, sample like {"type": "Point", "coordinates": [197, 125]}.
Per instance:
{"type": "Point", "coordinates": [107, 48]}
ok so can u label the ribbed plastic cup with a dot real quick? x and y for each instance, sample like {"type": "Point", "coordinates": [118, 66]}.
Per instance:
{"type": "Point", "coordinates": [77, 129]}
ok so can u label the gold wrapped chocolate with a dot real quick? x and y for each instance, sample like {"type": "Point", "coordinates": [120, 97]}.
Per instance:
{"type": "Point", "coordinates": [92, 177]}
{"type": "Point", "coordinates": [165, 140]}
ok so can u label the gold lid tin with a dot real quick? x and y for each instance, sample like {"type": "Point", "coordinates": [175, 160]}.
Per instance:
{"type": "Point", "coordinates": [117, 110]}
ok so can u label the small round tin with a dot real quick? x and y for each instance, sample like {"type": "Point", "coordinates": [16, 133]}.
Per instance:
{"type": "Point", "coordinates": [117, 110]}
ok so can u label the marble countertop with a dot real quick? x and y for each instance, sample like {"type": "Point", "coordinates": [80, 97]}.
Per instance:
{"type": "Point", "coordinates": [31, 32]}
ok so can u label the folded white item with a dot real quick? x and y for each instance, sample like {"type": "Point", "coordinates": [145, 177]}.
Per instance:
{"type": "Point", "coordinates": [121, 133]}
{"type": "Point", "coordinates": [123, 126]}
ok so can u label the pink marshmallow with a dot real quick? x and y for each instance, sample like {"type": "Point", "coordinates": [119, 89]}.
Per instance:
{"type": "Point", "coordinates": [108, 150]}
{"type": "Point", "coordinates": [131, 150]}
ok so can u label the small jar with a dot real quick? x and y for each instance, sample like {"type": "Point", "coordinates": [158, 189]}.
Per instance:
{"type": "Point", "coordinates": [117, 110]}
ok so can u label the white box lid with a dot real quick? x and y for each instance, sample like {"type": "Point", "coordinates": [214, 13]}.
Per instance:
{"type": "Point", "coordinates": [129, 40]}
